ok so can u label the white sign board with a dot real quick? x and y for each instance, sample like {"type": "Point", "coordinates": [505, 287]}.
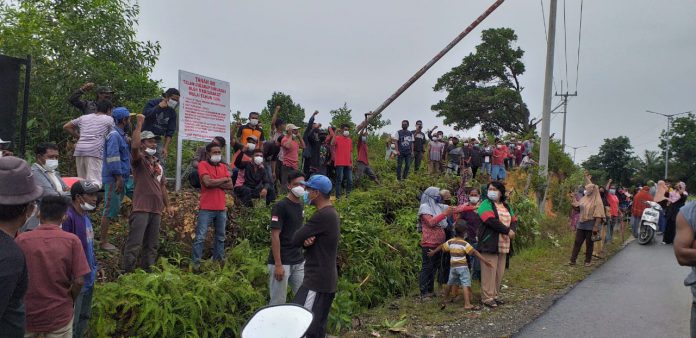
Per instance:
{"type": "Point", "coordinates": [204, 112]}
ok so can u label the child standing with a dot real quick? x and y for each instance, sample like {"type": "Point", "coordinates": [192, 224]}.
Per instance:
{"type": "Point", "coordinates": [459, 274]}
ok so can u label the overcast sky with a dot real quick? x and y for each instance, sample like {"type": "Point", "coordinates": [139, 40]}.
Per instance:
{"type": "Point", "coordinates": [635, 55]}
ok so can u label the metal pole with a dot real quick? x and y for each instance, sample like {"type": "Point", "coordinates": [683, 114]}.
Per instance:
{"type": "Point", "coordinates": [565, 113]}
{"type": "Point", "coordinates": [546, 113]}
{"type": "Point", "coordinates": [25, 109]}
{"type": "Point", "coordinates": [376, 112]}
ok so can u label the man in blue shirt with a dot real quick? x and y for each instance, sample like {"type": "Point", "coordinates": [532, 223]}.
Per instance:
{"type": "Point", "coordinates": [115, 172]}
{"type": "Point", "coordinates": [84, 200]}
{"type": "Point", "coordinates": [405, 150]}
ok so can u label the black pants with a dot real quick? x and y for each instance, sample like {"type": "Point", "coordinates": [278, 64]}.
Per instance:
{"type": "Point", "coordinates": [320, 305]}
{"type": "Point", "coordinates": [583, 236]}
{"type": "Point", "coordinates": [306, 167]}
{"type": "Point", "coordinates": [430, 267]}
{"type": "Point", "coordinates": [474, 170]}
{"type": "Point", "coordinates": [403, 159]}
{"type": "Point", "coordinates": [417, 159]}
{"type": "Point", "coordinates": [247, 194]}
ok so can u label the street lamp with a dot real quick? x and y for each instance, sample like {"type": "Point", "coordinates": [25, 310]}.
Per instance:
{"type": "Point", "coordinates": [670, 118]}
{"type": "Point", "coordinates": [575, 150]}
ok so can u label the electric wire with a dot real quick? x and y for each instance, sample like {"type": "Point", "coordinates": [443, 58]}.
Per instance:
{"type": "Point", "coordinates": [577, 69]}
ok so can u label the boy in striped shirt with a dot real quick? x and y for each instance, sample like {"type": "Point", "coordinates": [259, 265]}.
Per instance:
{"type": "Point", "coordinates": [459, 274]}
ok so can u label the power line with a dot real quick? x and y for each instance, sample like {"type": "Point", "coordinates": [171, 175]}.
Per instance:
{"type": "Point", "coordinates": [577, 69]}
{"type": "Point", "coordinates": [565, 41]}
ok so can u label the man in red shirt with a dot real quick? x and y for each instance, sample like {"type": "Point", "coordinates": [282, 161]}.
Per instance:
{"type": "Point", "coordinates": [500, 153]}
{"type": "Point", "coordinates": [343, 159]}
{"type": "Point", "coordinates": [215, 178]}
{"type": "Point", "coordinates": [363, 161]}
{"type": "Point", "coordinates": [639, 205]}
{"type": "Point", "coordinates": [56, 264]}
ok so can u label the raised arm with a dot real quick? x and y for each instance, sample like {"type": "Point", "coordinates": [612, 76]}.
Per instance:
{"type": "Point", "coordinates": [274, 118]}
{"type": "Point", "coordinates": [608, 184]}
{"type": "Point", "coordinates": [135, 139]}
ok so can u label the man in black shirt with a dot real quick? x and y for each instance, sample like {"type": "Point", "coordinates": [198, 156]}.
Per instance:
{"type": "Point", "coordinates": [17, 195]}
{"type": "Point", "coordinates": [319, 236]}
{"type": "Point", "coordinates": [88, 106]}
{"type": "Point", "coordinates": [285, 261]}
{"type": "Point", "coordinates": [418, 145]}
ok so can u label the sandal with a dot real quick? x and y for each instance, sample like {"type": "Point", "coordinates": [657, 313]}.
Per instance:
{"type": "Point", "coordinates": [491, 305]}
{"type": "Point", "coordinates": [571, 263]}
{"type": "Point", "coordinates": [473, 308]}
{"type": "Point", "coordinates": [589, 264]}
{"type": "Point", "coordinates": [443, 306]}
{"type": "Point", "coordinates": [500, 302]}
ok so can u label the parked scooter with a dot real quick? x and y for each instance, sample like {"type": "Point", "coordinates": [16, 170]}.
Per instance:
{"type": "Point", "coordinates": [648, 223]}
{"type": "Point", "coordinates": [278, 321]}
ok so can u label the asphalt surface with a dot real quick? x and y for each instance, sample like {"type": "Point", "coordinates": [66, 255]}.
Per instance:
{"type": "Point", "coordinates": [639, 292]}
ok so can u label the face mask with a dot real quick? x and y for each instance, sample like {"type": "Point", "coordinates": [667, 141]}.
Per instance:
{"type": "Point", "coordinates": [51, 165]}
{"type": "Point", "coordinates": [298, 191]}
{"type": "Point", "coordinates": [466, 144]}
{"type": "Point", "coordinates": [612, 191]}
{"type": "Point", "coordinates": [393, 146]}
{"type": "Point", "coordinates": [258, 160]}
{"type": "Point", "coordinates": [473, 199]}
{"type": "Point", "coordinates": [151, 151]}
{"type": "Point", "coordinates": [586, 192]}
{"type": "Point", "coordinates": [499, 146]}
{"type": "Point", "coordinates": [87, 207]}
{"type": "Point", "coordinates": [306, 198]}
{"type": "Point", "coordinates": [172, 104]}
{"type": "Point", "coordinates": [346, 133]}
{"type": "Point", "coordinates": [493, 196]}
{"type": "Point", "coordinates": [253, 122]}
{"type": "Point", "coordinates": [216, 158]}
{"type": "Point", "coordinates": [251, 146]}
{"type": "Point", "coordinates": [364, 138]}
{"type": "Point", "coordinates": [451, 143]}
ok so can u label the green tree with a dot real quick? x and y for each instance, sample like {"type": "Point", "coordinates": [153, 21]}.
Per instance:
{"type": "Point", "coordinates": [290, 111]}
{"type": "Point", "coordinates": [613, 161]}
{"type": "Point", "coordinates": [485, 89]}
{"type": "Point", "coordinates": [72, 42]}
{"type": "Point", "coordinates": [650, 167]}
{"type": "Point", "coordinates": [682, 149]}
{"type": "Point", "coordinates": [342, 116]}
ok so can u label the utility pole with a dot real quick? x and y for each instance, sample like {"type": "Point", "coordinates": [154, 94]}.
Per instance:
{"type": "Point", "coordinates": [564, 98]}
{"type": "Point", "coordinates": [546, 112]}
{"type": "Point", "coordinates": [670, 119]}
{"type": "Point", "coordinates": [575, 150]}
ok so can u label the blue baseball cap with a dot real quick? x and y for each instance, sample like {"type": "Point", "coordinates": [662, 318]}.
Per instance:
{"type": "Point", "coordinates": [320, 183]}
{"type": "Point", "coordinates": [120, 113]}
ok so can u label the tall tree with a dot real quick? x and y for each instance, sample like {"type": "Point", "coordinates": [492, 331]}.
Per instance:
{"type": "Point", "coordinates": [614, 160]}
{"type": "Point", "coordinates": [290, 111]}
{"type": "Point", "coordinates": [485, 89]}
{"type": "Point", "coordinates": [649, 167]}
{"type": "Point", "coordinates": [682, 149]}
{"type": "Point", "coordinates": [344, 115]}
{"type": "Point", "coordinates": [72, 42]}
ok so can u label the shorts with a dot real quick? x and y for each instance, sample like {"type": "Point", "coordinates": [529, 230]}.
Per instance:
{"type": "Point", "coordinates": [112, 200]}
{"type": "Point", "coordinates": [459, 276]}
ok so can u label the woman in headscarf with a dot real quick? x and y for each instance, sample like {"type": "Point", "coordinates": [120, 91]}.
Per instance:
{"type": "Point", "coordinates": [677, 199]}
{"type": "Point", "coordinates": [661, 197]}
{"type": "Point", "coordinates": [591, 215]}
{"type": "Point", "coordinates": [495, 241]}
{"type": "Point", "coordinates": [432, 221]}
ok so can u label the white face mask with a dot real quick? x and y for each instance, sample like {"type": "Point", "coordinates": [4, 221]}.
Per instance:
{"type": "Point", "coordinates": [346, 133]}
{"type": "Point", "coordinates": [474, 199]}
{"type": "Point", "coordinates": [499, 146]}
{"type": "Point", "coordinates": [258, 160]}
{"type": "Point", "coordinates": [87, 207]}
{"type": "Point", "coordinates": [51, 165]}
{"type": "Point", "coordinates": [251, 146]}
{"type": "Point", "coordinates": [466, 144]}
{"type": "Point", "coordinates": [298, 191]}
{"type": "Point", "coordinates": [493, 196]}
{"type": "Point", "coordinates": [151, 151]}
{"type": "Point", "coordinates": [451, 143]}
{"type": "Point", "coordinates": [253, 122]}
{"type": "Point", "coordinates": [364, 138]}
{"type": "Point", "coordinates": [216, 158]}
{"type": "Point", "coordinates": [172, 104]}
{"type": "Point", "coordinates": [393, 146]}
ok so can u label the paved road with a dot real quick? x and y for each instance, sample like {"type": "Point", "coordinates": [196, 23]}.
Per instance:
{"type": "Point", "coordinates": [638, 293]}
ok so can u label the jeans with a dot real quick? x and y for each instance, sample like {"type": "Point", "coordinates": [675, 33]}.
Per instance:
{"type": "Point", "coordinates": [497, 172]}
{"type": "Point", "coordinates": [363, 169]}
{"type": "Point", "coordinates": [294, 274]}
{"type": "Point", "coordinates": [662, 223]}
{"type": "Point", "coordinates": [635, 224]}
{"type": "Point", "coordinates": [83, 312]}
{"type": "Point", "coordinates": [417, 159]}
{"type": "Point", "coordinates": [143, 234]}
{"type": "Point", "coordinates": [344, 172]}
{"type": "Point", "coordinates": [611, 223]}
{"type": "Point", "coordinates": [487, 168]}
{"type": "Point", "coordinates": [399, 161]}
{"type": "Point", "coordinates": [205, 217]}
{"type": "Point", "coordinates": [428, 269]}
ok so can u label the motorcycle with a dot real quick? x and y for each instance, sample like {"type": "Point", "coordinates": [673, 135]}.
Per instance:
{"type": "Point", "coordinates": [278, 321]}
{"type": "Point", "coordinates": [648, 223]}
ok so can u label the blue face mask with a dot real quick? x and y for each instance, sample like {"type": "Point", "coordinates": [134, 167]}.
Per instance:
{"type": "Point", "coordinates": [493, 196]}
{"type": "Point", "coordinates": [306, 199]}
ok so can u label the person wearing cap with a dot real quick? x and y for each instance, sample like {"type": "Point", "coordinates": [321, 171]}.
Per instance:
{"type": "Point", "coordinates": [88, 106]}
{"type": "Point", "coordinates": [285, 261]}
{"type": "Point", "coordinates": [319, 237]}
{"type": "Point", "coordinates": [56, 271]}
{"type": "Point", "coordinates": [160, 119]}
{"type": "Point", "coordinates": [83, 201]}
{"type": "Point", "coordinates": [91, 131]}
{"type": "Point", "coordinates": [291, 145]}
{"type": "Point", "coordinates": [252, 128]}
{"type": "Point", "coordinates": [18, 194]}
{"type": "Point", "coordinates": [343, 158]}
{"type": "Point", "coordinates": [149, 200]}
{"type": "Point", "coordinates": [116, 171]}
{"type": "Point", "coordinates": [46, 175]}
{"type": "Point", "coordinates": [4, 148]}
{"type": "Point", "coordinates": [418, 145]}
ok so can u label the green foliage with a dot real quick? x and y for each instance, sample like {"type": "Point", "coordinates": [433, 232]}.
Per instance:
{"type": "Point", "coordinates": [73, 42]}
{"type": "Point", "coordinates": [290, 111]}
{"type": "Point", "coordinates": [649, 167]}
{"type": "Point", "coordinates": [613, 161]}
{"type": "Point", "coordinates": [682, 143]}
{"type": "Point", "coordinates": [529, 219]}
{"type": "Point", "coordinates": [485, 89]}
{"type": "Point", "coordinates": [342, 116]}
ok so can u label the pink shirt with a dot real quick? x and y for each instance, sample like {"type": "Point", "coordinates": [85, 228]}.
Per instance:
{"type": "Point", "coordinates": [54, 259]}
{"type": "Point", "coordinates": [290, 153]}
